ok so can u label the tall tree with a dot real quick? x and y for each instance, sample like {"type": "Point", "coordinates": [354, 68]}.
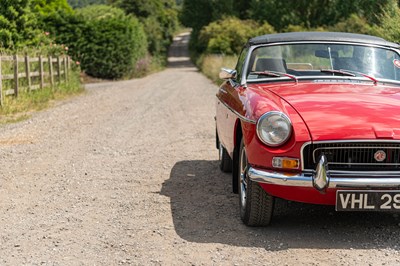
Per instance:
{"type": "Point", "coordinates": [242, 8]}
{"type": "Point", "coordinates": [314, 13]}
{"type": "Point", "coordinates": [199, 13]}
{"type": "Point", "coordinates": [196, 14]}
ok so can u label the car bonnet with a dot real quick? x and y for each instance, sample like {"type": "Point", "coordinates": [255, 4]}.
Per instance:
{"type": "Point", "coordinates": [345, 111]}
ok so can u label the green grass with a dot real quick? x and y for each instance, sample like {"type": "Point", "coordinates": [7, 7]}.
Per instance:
{"type": "Point", "coordinates": [210, 65]}
{"type": "Point", "coordinates": [19, 108]}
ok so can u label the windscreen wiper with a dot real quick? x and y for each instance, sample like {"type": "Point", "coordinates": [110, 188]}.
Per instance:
{"type": "Point", "coordinates": [362, 74]}
{"type": "Point", "coordinates": [338, 72]}
{"type": "Point", "coordinates": [351, 73]}
{"type": "Point", "coordinates": [274, 74]}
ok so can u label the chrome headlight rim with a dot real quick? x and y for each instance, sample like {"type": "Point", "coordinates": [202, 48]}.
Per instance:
{"type": "Point", "coordinates": [269, 114]}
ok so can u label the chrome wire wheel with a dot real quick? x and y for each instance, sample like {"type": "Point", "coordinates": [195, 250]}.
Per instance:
{"type": "Point", "coordinates": [256, 205]}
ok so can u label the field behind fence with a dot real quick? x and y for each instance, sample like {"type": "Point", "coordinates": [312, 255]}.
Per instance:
{"type": "Point", "coordinates": [18, 74]}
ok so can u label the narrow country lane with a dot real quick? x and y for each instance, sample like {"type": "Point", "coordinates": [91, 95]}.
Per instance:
{"type": "Point", "coordinates": [128, 174]}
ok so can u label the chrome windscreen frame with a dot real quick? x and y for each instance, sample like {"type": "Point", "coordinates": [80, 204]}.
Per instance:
{"type": "Point", "coordinates": [244, 79]}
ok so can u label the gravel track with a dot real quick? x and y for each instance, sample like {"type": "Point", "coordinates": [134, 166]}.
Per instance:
{"type": "Point", "coordinates": [128, 174]}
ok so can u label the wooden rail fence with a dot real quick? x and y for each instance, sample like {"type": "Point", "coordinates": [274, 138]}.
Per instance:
{"type": "Point", "coordinates": [50, 71]}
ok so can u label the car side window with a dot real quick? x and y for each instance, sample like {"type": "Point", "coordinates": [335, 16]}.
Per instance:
{"type": "Point", "coordinates": [240, 63]}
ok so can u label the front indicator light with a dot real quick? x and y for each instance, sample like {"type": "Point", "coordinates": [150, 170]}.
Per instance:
{"type": "Point", "coordinates": [286, 163]}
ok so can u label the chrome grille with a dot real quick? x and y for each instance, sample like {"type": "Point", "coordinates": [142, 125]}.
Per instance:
{"type": "Point", "coordinates": [353, 156]}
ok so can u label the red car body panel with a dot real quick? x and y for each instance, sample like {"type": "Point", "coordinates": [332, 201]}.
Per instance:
{"type": "Point", "coordinates": [301, 194]}
{"type": "Point", "coordinates": [318, 111]}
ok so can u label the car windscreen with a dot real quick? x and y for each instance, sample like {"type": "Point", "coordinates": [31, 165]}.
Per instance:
{"type": "Point", "coordinates": [323, 59]}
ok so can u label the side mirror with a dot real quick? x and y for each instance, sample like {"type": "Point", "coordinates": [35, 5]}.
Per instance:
{"type": "Point", "coordinates": [227, 73]}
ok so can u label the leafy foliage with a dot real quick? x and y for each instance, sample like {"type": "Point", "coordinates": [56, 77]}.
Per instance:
{"type": "Point", "coordinates": [17, 25]}
{"type": "Point", "coordinates": [84, 3]}
{"type": "Point", "coordinates": [107, 42]}
{"type": "Point", "coordinates": [46, 7]}
{"type": "Point", "coordinates": [47, 13]}
{"type": "Point", "coordinates": [390, 21]}
{"type": "Point", "coordinates": [227, 36]}
{"type": "Point", "coordinates": [111, 42]}
{"type": "Point", "coordinates": [355, 23]}
{"type": "Point", "coordinates": [212, 34]}
{"type": "Point", "coordinates": [242, 8]}
{"type": "Point", "coordinates": [196, 14]}
{"type": "Point", "coordinates": [314, 13]}
{"type": "Point", "coordinates": [66, 29]}
{"type": "Point", "coordinates": [160, 19]}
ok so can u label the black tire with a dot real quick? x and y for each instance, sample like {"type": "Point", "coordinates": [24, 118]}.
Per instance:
{"type": "Point", "coordinates": [225, 162]}
{"type": "Point", "coordinates": [256, 205]}
{"type": "Point", "coordinates": [235, 178]}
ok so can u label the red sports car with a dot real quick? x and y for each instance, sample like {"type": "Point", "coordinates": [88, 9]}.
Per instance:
{"type": "Point", "coordinates": [312, 117]}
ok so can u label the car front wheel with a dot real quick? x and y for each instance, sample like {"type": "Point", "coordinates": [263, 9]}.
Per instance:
{"type": "Point", "coordinates": [256, 205]}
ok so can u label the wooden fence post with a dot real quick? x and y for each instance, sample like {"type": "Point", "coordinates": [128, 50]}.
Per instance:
{"type": "Point", "coordinates": [28, 72]}
{"type": "Point", "coordinates": [41, 71]}
{"type": "Point", "coordinates": [59, 69]}
{"type": "Point", "coordinates": [1, 86]}
{"type": "Point", "coordinates": [16, 75]}
{"type": "Point", "coordinates": [65, 69]}
{"type": "Point", "coordinates": [51, 71]}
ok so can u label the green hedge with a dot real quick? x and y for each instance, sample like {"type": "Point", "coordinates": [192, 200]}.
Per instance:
{"type": "Point", "coordinates": [18, 27]}
{"type": "Point", "coordinates": [228, 35]}
{"type": "Point", "coordinates": [112, 42]}
{"type": "Point", "coordinates": [160, 20]}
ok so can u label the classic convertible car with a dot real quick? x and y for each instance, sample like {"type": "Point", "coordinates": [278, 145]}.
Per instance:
{"type": "Point", "coordinates": [312, 117]}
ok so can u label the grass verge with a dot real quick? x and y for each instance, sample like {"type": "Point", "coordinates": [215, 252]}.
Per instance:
{"type": "Point", "coordinates": [19, 108]}
{"type": "Point", "coordinates": [210, 65]}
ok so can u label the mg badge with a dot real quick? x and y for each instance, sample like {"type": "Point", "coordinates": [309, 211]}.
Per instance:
{"type": "Point", "coordinates": [380, 156]}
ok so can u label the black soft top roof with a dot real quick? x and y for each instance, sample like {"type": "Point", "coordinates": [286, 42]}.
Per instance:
{"type": "Point", "coordinates": [320, 36]}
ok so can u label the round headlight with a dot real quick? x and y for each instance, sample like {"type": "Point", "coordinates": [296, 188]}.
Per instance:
{"type": "Point", "coordinates": [274, 128]}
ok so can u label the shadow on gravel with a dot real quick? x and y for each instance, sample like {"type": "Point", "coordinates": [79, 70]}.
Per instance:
{"type": "Point", "coordinates": [205, 211]}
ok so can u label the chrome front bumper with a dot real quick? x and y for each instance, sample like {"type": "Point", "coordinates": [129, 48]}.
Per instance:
{"type": "Point", "coordinates": [322, 178]}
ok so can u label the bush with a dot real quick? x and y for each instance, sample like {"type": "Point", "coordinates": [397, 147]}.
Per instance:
{"type": "Point", "coordinates": [390, 21]}
{"type": "Point", "coordinates": [44, 7]}
{"type": "Point", "coordinates": [112, 42]}
{"type": "Point", "coordinates": [18, 26]}
{"type": "Point", "coordinates": [65, 28]}
{"type": "Point", "coordinates": [227, 36]}
{"type": "Point", "coordinates": [355, 24]}
{"type": "Point", "coordinates": [160, 18]}
{"type": "Point", "coordinates": [300, 28]}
